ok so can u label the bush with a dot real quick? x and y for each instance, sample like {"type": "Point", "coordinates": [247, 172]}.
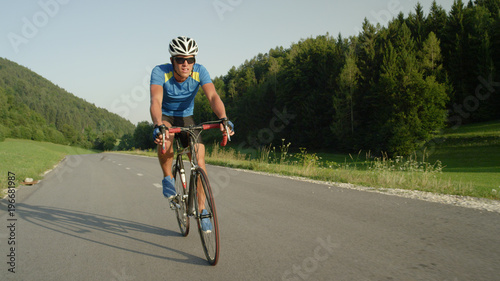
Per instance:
{"type": "Point", "coordinates": [109, 140]}
{"type": "Point", "coordinates": [143, 135]}
{"type": "Point", "coordinates": [53, 135]}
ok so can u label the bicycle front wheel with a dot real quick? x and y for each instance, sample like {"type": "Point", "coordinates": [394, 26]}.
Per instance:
{"type": "Point", "coordinates": [206, 216]}
{"type": "Point", "coordinates": [180, 208]}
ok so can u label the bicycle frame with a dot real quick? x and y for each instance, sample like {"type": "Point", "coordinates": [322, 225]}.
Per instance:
{"type": "Point", "coordinates": [193, 162]}
{"type": "Point", "coordinates": [191, 149]}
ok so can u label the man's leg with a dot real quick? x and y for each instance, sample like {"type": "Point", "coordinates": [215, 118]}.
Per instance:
{"type": "Point", "coordinates": [167, 158]}
{"type": "Point", "coordinates": [206, 225]}
{"type": "Point", "coordinates": [200, 155]}
{"type": "Point", "coordinates": [166, 161]}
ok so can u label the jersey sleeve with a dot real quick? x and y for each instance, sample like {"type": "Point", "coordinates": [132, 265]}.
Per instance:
{"type": "Point", "coordinates": [157, 76]}
{"type": "Point", "coordinates": [204, 76]}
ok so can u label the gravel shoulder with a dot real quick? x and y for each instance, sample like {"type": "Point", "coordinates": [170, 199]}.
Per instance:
{"type": "Point", "coordinates": [482, 204]}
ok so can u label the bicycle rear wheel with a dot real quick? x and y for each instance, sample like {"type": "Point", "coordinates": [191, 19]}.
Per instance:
{"type": "Point", "coordinates": [209, 239]}
{"type": "Point", "coordinates": [180, 209]}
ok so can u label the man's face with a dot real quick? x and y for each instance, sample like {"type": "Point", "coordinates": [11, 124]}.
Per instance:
{"type": "Point", "coordinates": [182, 66]}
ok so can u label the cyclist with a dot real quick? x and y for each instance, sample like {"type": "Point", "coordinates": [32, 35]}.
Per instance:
{"type": "Point", "coordinates": [173, 88]}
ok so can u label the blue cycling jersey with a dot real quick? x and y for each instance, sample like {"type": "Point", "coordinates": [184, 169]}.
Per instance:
{"type": "Point", "coordinates": [178, 98]}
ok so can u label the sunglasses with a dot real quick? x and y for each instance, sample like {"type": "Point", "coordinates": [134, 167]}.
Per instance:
{"type": "Point", "coordinates": [180, 60]}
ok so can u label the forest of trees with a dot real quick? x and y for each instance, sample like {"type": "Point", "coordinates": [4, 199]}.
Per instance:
{"type": "Point", "coordinates": [387, 89]}
{"type": "Point", "coordinates": [31, 107]}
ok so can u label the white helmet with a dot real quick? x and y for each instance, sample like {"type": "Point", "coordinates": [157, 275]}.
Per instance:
{"type": "Point", "coordinates": [183, 46]}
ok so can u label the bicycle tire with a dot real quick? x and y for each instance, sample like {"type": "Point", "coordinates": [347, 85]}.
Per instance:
{"type": "Point", "coordinates": [181, 213]}
{"type": "Point", "coordinates": [209, 241]}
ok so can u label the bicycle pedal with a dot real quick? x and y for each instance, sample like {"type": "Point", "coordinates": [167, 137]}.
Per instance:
{"type": "Point", "coordinates": [174, 205]}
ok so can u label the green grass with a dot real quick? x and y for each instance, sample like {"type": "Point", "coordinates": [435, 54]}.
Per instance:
{"type": "Point", "coordinates": [474, 130]}
{"type": "Point", "coordinates": [30, 159]}
{"type": "Point", "coordinates": [471, 154]}
{"type": "Point", "coordinates": [463, 161]}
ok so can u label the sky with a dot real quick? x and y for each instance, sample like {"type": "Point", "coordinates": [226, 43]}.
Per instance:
{"type": "Point", "coordinates": [103, 51]}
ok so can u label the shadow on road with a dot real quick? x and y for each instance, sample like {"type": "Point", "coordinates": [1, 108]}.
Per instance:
{"type": "Point", "coordinates": [85, 225]}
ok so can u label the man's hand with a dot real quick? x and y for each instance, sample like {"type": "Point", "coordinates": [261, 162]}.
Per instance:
{"type": "Point", "coordinates": [228, 124]}
{"type": "Point", "coordinates": [157, 133]}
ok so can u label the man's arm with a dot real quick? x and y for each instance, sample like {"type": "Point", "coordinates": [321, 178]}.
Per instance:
{"type": "Point", "coordinates": [156, 101]}
{"type": "Point", "coordinates": [215, 102]}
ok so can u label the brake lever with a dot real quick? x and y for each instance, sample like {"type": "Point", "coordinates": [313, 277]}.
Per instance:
{"type": "Point", "coordinates": [163, 143]}
{"type": "Point", "coordinates": [227, 132]}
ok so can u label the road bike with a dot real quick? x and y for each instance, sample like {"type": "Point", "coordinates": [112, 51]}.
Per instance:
{"type": "Point", "coordinates": [195, 199]}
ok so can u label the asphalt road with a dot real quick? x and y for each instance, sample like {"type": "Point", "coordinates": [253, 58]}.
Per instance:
{"type": "Point", "coordinates": [102, 217]}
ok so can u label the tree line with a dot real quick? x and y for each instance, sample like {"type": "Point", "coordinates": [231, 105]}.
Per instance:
{"type": "Point", "coordinates": [387, 89]}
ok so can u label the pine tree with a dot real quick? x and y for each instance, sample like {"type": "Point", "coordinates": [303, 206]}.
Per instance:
{"type": "Point", "coordinates": [414, 104]}
{"type": "Point", "coordinates": [454, 49]}
{"type": "Point", "coordinates": [431, 56]}
{"type": "Point", "coordinates": [436, 20]}
{"type": "Point", "coordinates": [343, 101]}
{"type": "Point", "coordinates": [416, 23]}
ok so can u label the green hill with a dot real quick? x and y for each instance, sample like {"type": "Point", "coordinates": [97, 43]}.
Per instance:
{"type": "Point", "coordinates": [32, 107]}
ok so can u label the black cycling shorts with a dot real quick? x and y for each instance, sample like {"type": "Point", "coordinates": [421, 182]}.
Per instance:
{"type": "Point", "coordinates": [177, 121]}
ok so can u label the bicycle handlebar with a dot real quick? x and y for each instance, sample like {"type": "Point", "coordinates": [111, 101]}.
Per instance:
{"type": "Point", "coordinates": [176, 130]}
